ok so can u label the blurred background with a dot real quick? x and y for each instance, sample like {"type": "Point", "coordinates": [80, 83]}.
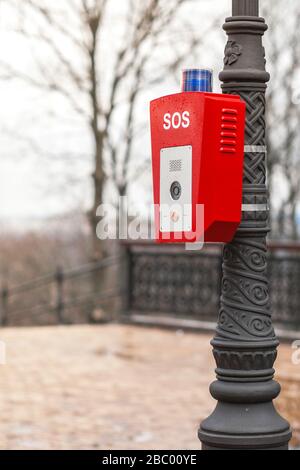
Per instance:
{"type": "Point", "coordinates": [76, 78]}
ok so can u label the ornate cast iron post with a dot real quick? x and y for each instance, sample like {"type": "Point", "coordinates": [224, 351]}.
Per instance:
{"type": "Point", "coordinates": [245, 345]}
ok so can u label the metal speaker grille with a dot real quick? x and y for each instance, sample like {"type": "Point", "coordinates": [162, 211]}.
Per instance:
{"type": "Point", "coordinates": [175, 165]}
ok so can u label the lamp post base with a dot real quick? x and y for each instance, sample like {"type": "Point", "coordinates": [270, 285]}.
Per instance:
{"type": "Point", "coordinates": [234, 426]}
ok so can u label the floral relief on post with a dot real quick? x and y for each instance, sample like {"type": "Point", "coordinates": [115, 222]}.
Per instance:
{"type": "Point", "coordinates": [232, 52]}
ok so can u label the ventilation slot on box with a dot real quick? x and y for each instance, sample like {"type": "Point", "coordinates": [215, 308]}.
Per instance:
{"type": "Point", "coordinates": [175, 165]}
{"type": "Point", "coordinates": [228, 139]}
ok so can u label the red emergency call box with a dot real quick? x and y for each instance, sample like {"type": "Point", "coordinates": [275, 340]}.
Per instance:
{"type": "Point", "coordinates": [197, 159]}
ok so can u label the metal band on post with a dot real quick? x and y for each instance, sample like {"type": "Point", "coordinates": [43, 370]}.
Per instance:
{"type": "Point", "coordinates": [245, 345]}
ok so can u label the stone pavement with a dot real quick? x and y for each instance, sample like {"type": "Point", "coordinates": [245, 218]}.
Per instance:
{"type": "Point", "coordinates": [113, 387]}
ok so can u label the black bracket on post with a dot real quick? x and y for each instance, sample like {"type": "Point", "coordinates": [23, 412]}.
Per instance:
{"type": "Point", "coordinates": [245, 345]}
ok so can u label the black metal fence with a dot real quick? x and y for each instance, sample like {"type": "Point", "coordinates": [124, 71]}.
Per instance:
{"type": "Point", "coordinates": [168, 280]}
{"type": "Point", "coordinates": [73, 296]}
{"type": "Point", "coordinates": [147, 279]}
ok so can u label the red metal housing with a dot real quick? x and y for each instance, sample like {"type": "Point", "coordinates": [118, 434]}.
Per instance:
{"type": "Point", "coordinates": [208, 129]}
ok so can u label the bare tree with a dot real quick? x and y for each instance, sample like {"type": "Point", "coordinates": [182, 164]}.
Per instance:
{"type": "Point", "coordinates": [104, 96]}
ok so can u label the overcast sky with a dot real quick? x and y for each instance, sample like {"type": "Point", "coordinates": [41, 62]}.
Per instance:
{"type": "Point", "coordinates": [32, 186]}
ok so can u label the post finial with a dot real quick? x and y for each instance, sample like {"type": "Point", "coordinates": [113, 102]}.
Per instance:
{"type": "Point", "coordinates": [245, 7]}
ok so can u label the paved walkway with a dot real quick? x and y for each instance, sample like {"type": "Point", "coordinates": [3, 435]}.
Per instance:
{"type": "Point", "coordinates": [112, 387]}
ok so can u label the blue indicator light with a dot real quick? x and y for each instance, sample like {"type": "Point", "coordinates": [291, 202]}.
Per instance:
{"type": "Point", "coordinates": [197, 80]}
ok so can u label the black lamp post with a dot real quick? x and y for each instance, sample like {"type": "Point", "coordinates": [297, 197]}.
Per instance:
{"type": "Point", "coordinates": [245, 345]}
